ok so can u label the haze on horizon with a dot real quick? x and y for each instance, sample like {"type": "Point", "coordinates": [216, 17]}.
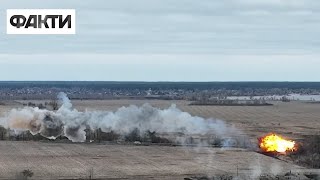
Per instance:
{"type": "Point", "coordinates": [163, 40]}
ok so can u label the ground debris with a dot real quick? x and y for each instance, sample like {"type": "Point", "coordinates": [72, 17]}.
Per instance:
{"type": "Point", "coordinates": [286, 176]}
{"type": "Point", "coordinates": [218, 177]}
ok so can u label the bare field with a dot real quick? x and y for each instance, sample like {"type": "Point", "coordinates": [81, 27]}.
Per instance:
{"type": "Point", "coordinates": [67, 161]}
{"type": "Point", "coordinates": [57, 160]}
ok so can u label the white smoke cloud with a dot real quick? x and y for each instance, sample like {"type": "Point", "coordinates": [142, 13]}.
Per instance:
{"type": "Point", "coordinates": [64, 100]}
{"type": "Point", "coordinates": [71, 123]}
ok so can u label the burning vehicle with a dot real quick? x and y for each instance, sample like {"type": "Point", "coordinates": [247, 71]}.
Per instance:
{"type": "Point", "coordinates": [273, 143]}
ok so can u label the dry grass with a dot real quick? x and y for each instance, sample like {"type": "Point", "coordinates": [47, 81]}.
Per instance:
{"type": "Point", "coordinates": [61, 160]}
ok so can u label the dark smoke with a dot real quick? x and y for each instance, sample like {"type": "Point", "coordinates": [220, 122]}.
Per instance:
{"type": "Point", "coordinates": [52, 127]}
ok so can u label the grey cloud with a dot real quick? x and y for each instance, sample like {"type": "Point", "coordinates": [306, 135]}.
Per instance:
{"type": "Point", "coordinates": [186, 26]}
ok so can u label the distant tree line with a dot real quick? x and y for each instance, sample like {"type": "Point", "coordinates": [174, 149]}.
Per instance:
{"type": "Point", "coordinates": [159, 90]}
{"type": "Point", "coordinates": [52, 105]}
{"type": "Point", "coordinates": [160, 85]}
{"type": "Point", "coordinates": [91, 136]}
{"type": "Point", "coordinates": [230, 102]}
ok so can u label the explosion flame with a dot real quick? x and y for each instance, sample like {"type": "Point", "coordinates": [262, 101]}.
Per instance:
{"type": "Point", "coordinates": [276, 143]}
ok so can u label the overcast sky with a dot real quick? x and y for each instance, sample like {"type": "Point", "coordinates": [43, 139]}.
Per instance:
{"type": "Point", "coordinates": [169, 40]}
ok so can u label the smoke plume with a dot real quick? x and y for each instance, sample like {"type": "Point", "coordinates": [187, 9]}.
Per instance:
{"type": "Point", "coordinates": [71, 123]}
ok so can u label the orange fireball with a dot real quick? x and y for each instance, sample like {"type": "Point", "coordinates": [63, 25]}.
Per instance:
{"type": "Point", "coordinates": [275, 143]}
